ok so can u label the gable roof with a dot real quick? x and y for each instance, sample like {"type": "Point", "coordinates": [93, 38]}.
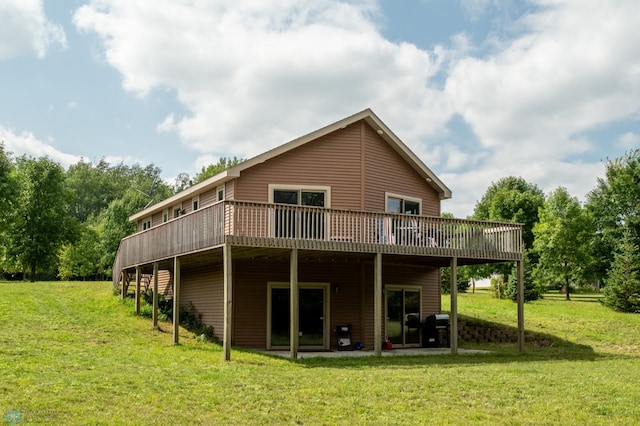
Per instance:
{"type": "Point", "coordinates": [367, 115]}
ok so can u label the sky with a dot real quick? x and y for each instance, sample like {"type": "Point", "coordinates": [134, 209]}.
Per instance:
{"type": "Point", "coordinates": [547, 90]}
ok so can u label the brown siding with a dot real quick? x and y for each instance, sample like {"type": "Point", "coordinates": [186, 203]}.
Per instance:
{"type": "Point", "coordinates": [229, 190]}
{"type": "Point", "coordinates": [203, 289]}
{"type": "Point", "coordinates": [346, 306]}
{"type": "Point", "coordinates": [165, 283]}
{"type": "Point", "coordinates": [386, 171]}
{"type": "Point", "coordinates": [333, 160]}
{"type": "Point", "coordinates": [208, 197]}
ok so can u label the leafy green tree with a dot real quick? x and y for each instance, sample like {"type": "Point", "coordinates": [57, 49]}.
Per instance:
{"type": "Point", "coordinates": [511, 199]}
{"type": "Point", "coordinates": [622, 290]}
{"type": "Point", "coordinates": [81, 259]}
{"type": "Point", "coordinates": [562, 240]}
{"type": "Point", "coordinates": [114, 225]}
{"type": "Point", "coordinates": [223, 164]}
{"type": "Point", "coordinates": [7, 200]}
{"type": "Point", "coordinates": [532, 289]}
{"type": "Point", "coordinates": [462, 279]}
{"type": "Point", "coordinates": [40, 221]}
{"type": "Point", "coordinates": [614, 206]}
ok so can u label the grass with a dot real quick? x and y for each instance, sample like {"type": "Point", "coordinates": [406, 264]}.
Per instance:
{"type": "Point", "coordinates": [72, 353]}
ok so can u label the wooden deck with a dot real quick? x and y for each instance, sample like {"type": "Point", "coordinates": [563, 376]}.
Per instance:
{"type": "Point", "coordinates": [263, 225]}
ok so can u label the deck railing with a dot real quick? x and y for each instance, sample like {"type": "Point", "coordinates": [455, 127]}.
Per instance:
{"type": "Point", "coordinates": [277, 225]}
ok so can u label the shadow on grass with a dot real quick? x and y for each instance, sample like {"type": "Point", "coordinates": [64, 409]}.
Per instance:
{"type": "Point", "coordinates": [538, 347]}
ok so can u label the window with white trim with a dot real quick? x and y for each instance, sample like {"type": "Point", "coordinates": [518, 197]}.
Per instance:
{"type": "Point", "coordinates": [146, 224]}
{"type": "Point", "coordinates": [165, 216]}
{"type": "Point", "coordinates": [195, 203]}
{"type": "Point", "coordinates": [177, 210]}
{"type": "Point", "coordinates": [220, 193]}
{"type": "Point", "coordinates": [294, 223]}
{"type": "Point", "coordinates": [402, 204]}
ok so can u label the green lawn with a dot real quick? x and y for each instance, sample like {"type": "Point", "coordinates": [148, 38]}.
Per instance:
{"type": "Point", "coordinates": [72, 353]}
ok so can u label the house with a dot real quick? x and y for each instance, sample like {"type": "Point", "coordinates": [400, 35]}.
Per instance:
{"type": "Point", "coordinates": [337, 230]}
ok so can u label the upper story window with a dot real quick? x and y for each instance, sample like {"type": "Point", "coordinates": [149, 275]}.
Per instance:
{"type": "Point", "coordinates": [289, 223]}
{"type": "Point", "coordinates": [165, 216]}
{"type": "Point", "coordinates": [146, 224]}
{"type": "Point", "coordinates": [195, 203]}
{"type": "Point", "coordinates": [404, 205]}
{"type": "Point", "coordinates": [177, 210]}
{"type": "Point", "coordinates": [220, 193]}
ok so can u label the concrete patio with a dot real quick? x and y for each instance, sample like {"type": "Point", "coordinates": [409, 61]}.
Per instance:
{"type": "Point", "coordinates": [363, 353]}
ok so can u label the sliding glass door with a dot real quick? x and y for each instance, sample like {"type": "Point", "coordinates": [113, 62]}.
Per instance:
{"type": "Point", "coordinates": [403, 315]}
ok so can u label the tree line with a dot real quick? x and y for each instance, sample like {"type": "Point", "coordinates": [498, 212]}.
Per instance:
{"type": "Point", "coordinates": [570, 245]}
{"type": "Point", "coordinates": [68, 224]}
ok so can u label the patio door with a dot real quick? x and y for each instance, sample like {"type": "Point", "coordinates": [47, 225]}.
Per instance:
{"type": "Point", "coordinates": [313, 314]}
{"type": "Point", "coordinates": [403, 315]}
{"type": "Point", "coordinates": [298, 223]}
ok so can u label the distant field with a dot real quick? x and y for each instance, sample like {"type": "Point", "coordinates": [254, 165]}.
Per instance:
{"type": "Point", "coordinates": [72, 353]}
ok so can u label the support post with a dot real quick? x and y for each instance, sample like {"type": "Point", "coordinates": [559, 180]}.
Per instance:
{"type": "Point", "coordinates": [228, 299]}
{"type": "Point", "coordinates": [377, 305]}
{"type": "Point", "coordinates": [453, 338]}
{"type": "Point", "coordinates": [123, 290]}
{"type": "Point", "coordinates": [520, 268]}
{"type": "Point", "coordinates": [155, 295]}
{"type": "Point", "coordinates": [295, 304]}
{"type": "Point", "coordinates": [137, 294]}
{"type": "Point", "coordinates": [176, 300]}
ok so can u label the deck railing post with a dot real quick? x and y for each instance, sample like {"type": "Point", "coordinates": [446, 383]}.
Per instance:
{"type": "Point", "coordinates": [377, 304]}
{"type": "Point", "coordinates": [155, 295]}
{"type": "Point", "coordinates": [453, 339]}
{"type": "Point", "coordinates": [294, 299]}
{"type": "Point", "coordinates": [137, 294]}
{"type": "Point", "coordinates": [520, 268]}
{"type": "Point", "coordinates": [228, 299]}
{"type": "Point", "coordinates": [176, 300]}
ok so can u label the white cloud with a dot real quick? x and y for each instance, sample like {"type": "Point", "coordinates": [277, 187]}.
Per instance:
{"type": "Point", "coordinates": [26, 143]}
{"type": "Point", "coordinates": [26, 29]}
{"type": "Point", "coordinates": [629, 140]}
{"type": "Point", "coordinates": [257, 74]}
{"type": "Point", "coordinates": [574, 68]}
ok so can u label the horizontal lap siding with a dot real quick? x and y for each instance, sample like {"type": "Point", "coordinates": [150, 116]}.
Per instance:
{"type": "Point", "coordinates": [333, 160]}
{"type": "Point", "coordinates": [251, 284]}
{"type": "Point", "coordinates": [203, 288]}
{"type": "Point", "coordinates": [250, 300]}
{"type": "Point", "coordinates": [426, 277]}
{"type": "Point", "coordinates": [165, 284]}
{"type": "Point", "coordinates": [346, 306]}
{"type": "Point", "coordinates": [386, 171]}
{"type": "Point", "coordinates": [209, 197]}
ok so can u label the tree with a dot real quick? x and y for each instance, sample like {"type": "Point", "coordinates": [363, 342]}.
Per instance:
{"type": "Point", "coordinates": [7, 200]}
{"type": "Point", "coordinates": [114, 225]}
{"type": "Point", "coordinates": [622, 290]}
{"type": "Point", "coordinates": [614, 205]}
{"type": "Point", "coordinates": [532, 289]}
{"type": "Point", "coordinates": [562, 241]}
{"type": "Point", "coordinates": [40, 221]}
{"type": "Point", "coordinates": [81, 259]}
{"type": "Point", "coordinates": [223, 164]}
{"type": "Point", "coordinates": [511, 199]}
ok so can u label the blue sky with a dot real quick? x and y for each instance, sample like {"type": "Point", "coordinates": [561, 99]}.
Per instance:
{"type": "Point", "coordinates": [479, 89]}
